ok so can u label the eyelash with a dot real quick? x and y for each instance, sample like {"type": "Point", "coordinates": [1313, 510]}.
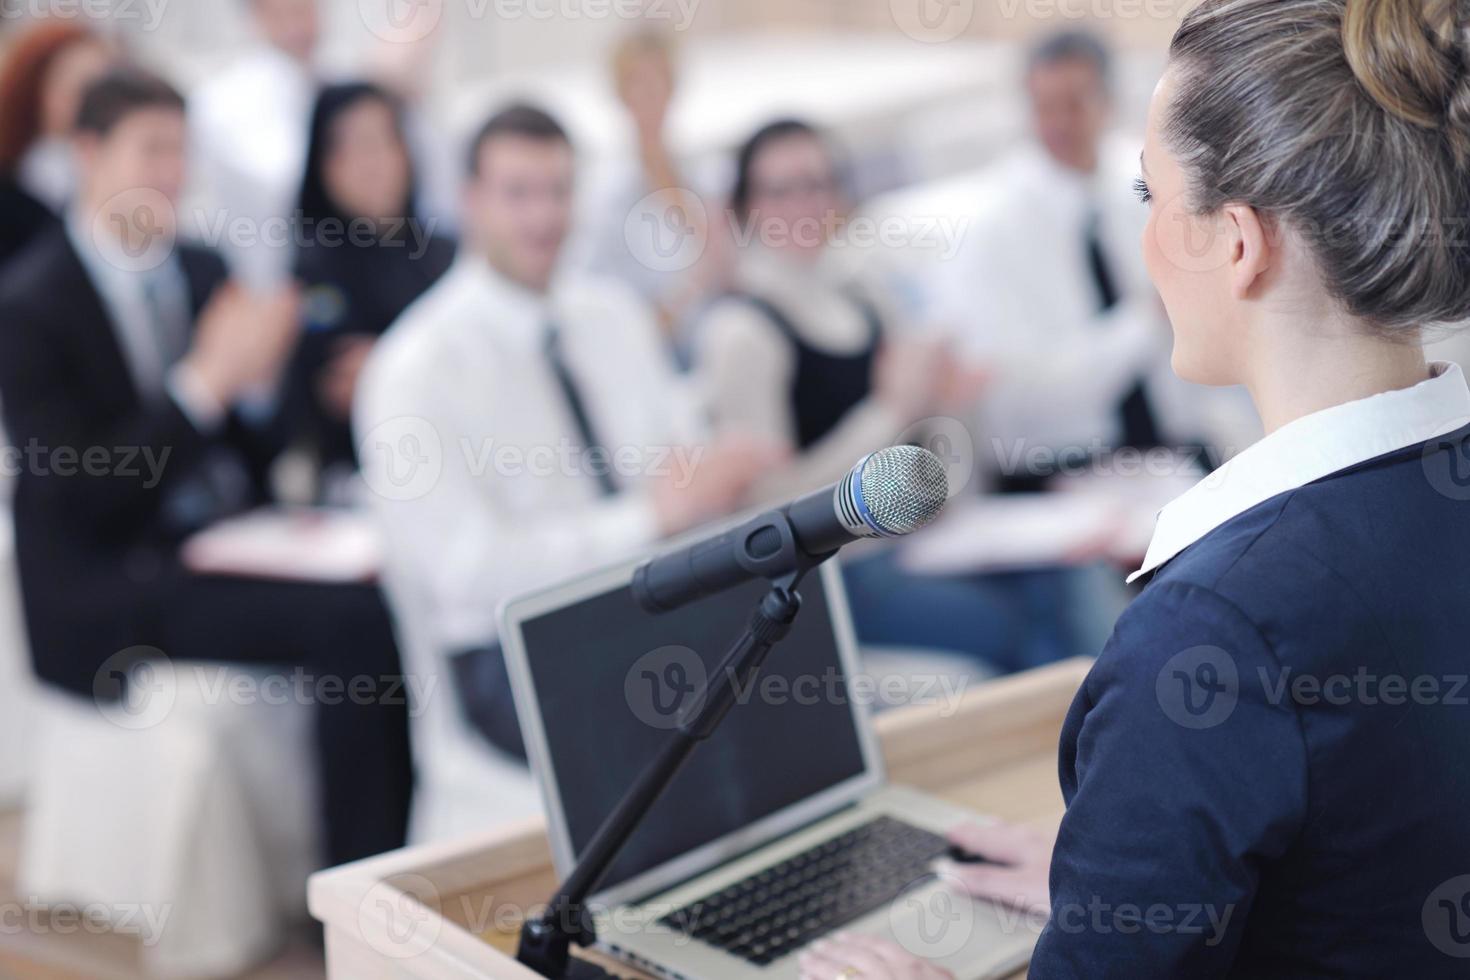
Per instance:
{"type": "Point", "coordinates": [1140, 187]}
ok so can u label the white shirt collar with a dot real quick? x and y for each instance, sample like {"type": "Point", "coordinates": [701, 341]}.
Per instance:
{"type": "Point", "coordinates": [518, 314]}
{"type": "Point", "coordinates": [110, 265]}
{"type": "Point", "coordinates": [1308, 449]}
{"type": "Point", "coordinates": [1074, 191]}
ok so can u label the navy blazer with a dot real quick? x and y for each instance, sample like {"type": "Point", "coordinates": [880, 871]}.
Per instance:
{"type": "Point", "coordinates": [95, 560]}
{"type": "Point", "coordinates": [1267, 771]}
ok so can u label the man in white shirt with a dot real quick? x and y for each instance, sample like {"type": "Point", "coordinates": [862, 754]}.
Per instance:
{"type": "Point", "coordinates": [1050, 288]}
{"type": "Point", "coordinates": [518, 425]}
{"type": "Point", "coordinates": [249, 128]}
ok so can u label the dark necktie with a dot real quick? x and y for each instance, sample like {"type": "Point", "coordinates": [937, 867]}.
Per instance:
{"type": "Point", "coordinates": [168, 321]}
{"type": "Point", "coordinates": [556, 360]}
{"type": "Point", "coordinates": [1139, 428]}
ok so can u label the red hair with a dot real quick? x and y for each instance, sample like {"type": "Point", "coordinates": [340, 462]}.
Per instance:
{"type": "Point", "coordinates": [21, 78]}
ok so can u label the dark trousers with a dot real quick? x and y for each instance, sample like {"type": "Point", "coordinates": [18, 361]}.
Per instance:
{"type": "Point", "coordinates": [482, 686]}
{"type": "Point", "coordinates": [1007, 621]}
{"type": "Point", "coordinates": [335, 644]}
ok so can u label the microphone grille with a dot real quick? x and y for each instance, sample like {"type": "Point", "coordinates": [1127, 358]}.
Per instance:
{"type": "Point", "coordinates": [901, 489]}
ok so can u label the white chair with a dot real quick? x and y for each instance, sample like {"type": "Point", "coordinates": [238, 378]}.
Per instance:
{"type": "Point", "coordinates": [187, 812]}
{"type": "Point", "coordinates": [16, 684]}
{"type": "Point", "coordinates": [463, 784]}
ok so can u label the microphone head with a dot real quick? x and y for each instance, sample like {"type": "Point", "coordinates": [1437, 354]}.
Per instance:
{"type": "Point", "coordinates": [892, 492]}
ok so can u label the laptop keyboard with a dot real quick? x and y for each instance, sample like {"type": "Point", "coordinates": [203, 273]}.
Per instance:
{"type": "Point", "coordinates": [782, 908]}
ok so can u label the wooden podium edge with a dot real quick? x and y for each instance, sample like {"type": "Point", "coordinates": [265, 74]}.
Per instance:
{"type": "Point", "coordinates": [390, 908]}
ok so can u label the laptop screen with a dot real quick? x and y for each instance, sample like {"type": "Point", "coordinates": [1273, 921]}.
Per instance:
{"type": "Point", "coordinates": [610, 679]}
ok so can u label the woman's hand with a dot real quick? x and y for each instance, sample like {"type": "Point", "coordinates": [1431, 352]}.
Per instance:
{"type": "Point", "coordinates": [906, 375]}
{"type": "Point", "coordinates": [243, 340]}
{"type": "Point", "coordinates": [853, 956]}
{"type": "Point", "coordinates": [337, 383]}
{"type": "Point", "coordinates": [1019, 876]}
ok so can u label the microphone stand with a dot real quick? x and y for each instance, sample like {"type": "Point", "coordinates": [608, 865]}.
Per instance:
{"type": "Point", "coordinates": [545, 943]}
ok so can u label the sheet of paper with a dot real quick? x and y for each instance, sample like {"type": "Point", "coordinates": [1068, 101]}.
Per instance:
{"type": "Point", "coordinates": [289, 544]}
{"type": "Point", "coordinates": [1097, 517]}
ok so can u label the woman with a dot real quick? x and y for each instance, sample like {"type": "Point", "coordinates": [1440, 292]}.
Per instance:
{"type": "Point", "coordinates": [46, 70]}
{"type": "Point", "coordinates": [364, 256]}
{"type": "Point", "coordinates": [796, 353]}
{"type": "Point", "coordinates": [806, 354]}
{"type": "Point", "coordinates": [646, 181]}
{"type": "Point", "coordinates": [1266, 770]}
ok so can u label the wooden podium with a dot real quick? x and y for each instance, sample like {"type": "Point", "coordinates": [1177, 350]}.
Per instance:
{"type": "Point", "coordinates": [451, 911]}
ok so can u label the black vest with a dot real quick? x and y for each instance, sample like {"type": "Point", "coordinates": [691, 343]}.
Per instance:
{"type": "Point", "coordinates": [824, 386]}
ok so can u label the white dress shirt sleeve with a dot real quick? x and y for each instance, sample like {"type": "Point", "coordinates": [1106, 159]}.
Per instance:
{"type": "Point", "coordinates": [472, 553]}
{"type": "Point", "coordinates": [1054, 374]}
{"type": "Point", "coordinates": [451, 529]}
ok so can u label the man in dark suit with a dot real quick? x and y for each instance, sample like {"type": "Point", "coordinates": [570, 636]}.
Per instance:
{"type": "Point", "coordinates": [129, 373]}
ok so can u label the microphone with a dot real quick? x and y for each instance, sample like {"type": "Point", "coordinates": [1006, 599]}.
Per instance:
{"type": "Point", "coordinates": [889, 493]}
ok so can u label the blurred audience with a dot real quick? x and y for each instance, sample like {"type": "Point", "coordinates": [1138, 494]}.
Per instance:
{"type": "Point", "coordinates": [520, 425]}
{"type": "Point", "coordinates": [364, 257]}
{"type": "Point", "coordinates": [807, 353]}
{"type": "Point", "coordinates": [1068, 319]}
{"type": "Point", "coordinates": [45, 71]}
{"type": "Point", "coordinates": [249, 126]}
{"type": "Point", "coordinates": [125, 362]}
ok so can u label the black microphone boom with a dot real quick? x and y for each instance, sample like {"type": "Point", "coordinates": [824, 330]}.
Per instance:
{"type": "Point", "coordinates": [889, 493]}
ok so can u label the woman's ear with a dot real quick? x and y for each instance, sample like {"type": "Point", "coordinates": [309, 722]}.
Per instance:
{"type": "Point", "coordinates": [1251, 248]}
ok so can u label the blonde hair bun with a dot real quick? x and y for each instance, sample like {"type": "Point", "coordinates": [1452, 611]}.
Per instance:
{"type": "Point", "coordinates": [1411, 57]}
{"type": "Point", "coordinates": [1348, 121]}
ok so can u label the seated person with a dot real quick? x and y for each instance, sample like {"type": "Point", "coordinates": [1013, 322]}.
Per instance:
{"type": "Point", "coordinates": [806, 352]}
{"type": "Point", "coordinates": [647, 184]}
{"type": "Point", "coordinates": [1050, 290]}
{"type": "Point", "coordinates": [364, 256]}
{"type": "Point", "coordinates": [518, 425]}
{"type": "Point", "coordinates": [247, 125]}
{"type": "Point", "coordinates": [124, 363]}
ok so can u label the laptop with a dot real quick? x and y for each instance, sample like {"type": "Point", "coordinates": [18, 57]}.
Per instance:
{"type": "Point", "coordinates": [779, 829]}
